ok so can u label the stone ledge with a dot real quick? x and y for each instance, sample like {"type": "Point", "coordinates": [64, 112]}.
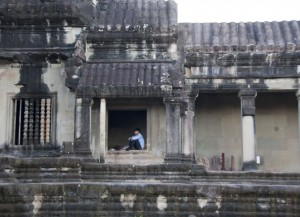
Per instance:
{"type": "Point", "coordinates": [135, 157]}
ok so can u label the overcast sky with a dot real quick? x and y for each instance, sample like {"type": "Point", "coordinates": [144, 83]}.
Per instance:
{"type": "Point", "coordinates": [237, 10]}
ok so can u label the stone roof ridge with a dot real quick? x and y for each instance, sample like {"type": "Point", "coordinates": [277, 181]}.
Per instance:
{"type": "Point", "coordinates": [266, 36]}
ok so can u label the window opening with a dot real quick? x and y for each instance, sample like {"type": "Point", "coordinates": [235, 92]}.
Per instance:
{"type": "Point", "coordinates": [121, 124]}
{"type": "Point", "coordinates": [32, 121]}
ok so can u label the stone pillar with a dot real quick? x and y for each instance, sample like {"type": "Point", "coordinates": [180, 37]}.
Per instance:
{"type": "Point", "coordinates": [173, 125]}
{"type": "Point", "coordinates": [247, 97]}
{"type": "Point", "coordinates": [188, 126]}
{"type": "Point", "coordinates": [298, 97]}
{"type": "Point", "coordinates": [103, 133]}
{"type": "Point", "coordinates": [83, 127]}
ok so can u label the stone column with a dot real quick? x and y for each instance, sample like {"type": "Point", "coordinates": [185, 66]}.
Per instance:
{"type": "Point", "coordinates": [247, 97]}
{"type": "Point", "coordinates": [83, 127]}
{"type": "Point", "coordinates": [103, 133]}
{"type": "Point", "coordinates": [298, 97]}
{"type": "Point", "coordinates": [188, 126]}
{"type": "Point", "coordinates": [173, 129]}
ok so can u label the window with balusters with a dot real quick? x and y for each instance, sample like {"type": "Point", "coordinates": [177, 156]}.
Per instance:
{"type": "Point", "coordinates": [32, 121]}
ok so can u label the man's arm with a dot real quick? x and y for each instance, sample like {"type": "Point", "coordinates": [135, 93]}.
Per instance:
{"type": "Point", "coordinates": [136, 137]}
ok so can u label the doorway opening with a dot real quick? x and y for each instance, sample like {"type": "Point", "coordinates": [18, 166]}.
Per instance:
{"type": "Point", "coordinates": [121, 124]}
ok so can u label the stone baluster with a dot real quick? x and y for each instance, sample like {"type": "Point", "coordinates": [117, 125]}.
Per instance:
{"type": "Point", "coordinates": [42, 122]}
{"type": "Point", "coordinates": [30, 121]}
{"type": "Point", "coordinates": [248, 112]}
{"type": "Point", "coordinates": [48, 121]}
{"type": "Point", "coordinates": [26, 121]}
{"type": "Point", "coordinates": [37, 122]}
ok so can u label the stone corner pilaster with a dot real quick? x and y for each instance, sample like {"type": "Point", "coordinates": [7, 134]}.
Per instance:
{"type": "Point", "coordinates": [83, 126]}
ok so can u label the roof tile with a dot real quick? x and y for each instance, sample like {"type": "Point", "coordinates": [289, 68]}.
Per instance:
{"type": "Point", "coordinates": [241, 37]}
{"type": "Point", "coordinates": [144, 76]}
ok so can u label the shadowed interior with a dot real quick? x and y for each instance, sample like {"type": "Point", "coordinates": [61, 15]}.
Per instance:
{"type": "Point", "coordinates": [121, 125]}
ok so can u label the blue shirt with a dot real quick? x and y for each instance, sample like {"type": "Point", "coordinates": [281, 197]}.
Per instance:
{"type": "Point", "coordinates": [140, 138]}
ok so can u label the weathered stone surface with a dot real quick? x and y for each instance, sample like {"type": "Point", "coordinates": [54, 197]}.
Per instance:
{"type": "Point", "coordinates": [66, 187]}
{"type": "Point", "coordinates": [135, 49]}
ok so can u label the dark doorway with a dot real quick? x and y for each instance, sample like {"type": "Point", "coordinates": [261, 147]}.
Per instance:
{"type": "Point", "coordinates": [121, 124]}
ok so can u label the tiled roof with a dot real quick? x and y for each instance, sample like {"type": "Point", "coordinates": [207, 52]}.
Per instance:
{"type": "Point", "coordinates": [241, 37]}
{"type": "Point", "coordinates": [131, 15]}
{"type": "Point", "coordinates": [107, 15]}
{"type": "Point", "coordinates": [121, 79]}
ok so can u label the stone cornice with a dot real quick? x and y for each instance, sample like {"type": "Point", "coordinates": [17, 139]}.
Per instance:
{"type": "Point", "coordinates": [243, 59]}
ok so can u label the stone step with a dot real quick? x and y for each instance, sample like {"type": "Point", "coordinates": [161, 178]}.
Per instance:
{"type": "Point", "coordinates": [149, 199]}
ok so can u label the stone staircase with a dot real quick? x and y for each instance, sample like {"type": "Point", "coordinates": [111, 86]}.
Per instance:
{"type": "Point", "coordinates": [73, 187]}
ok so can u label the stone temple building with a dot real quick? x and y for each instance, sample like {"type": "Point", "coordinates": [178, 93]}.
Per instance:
{"type": "Point", "coordinates": [217, 104]}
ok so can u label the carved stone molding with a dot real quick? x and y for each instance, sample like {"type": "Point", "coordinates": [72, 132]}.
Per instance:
{"type": "Point", "coordinates": [248, 101]}
{"type": "Point", "coordinates": [73, 64]}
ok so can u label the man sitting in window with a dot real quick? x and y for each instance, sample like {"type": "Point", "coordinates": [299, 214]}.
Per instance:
{"type": "Point", "coordinates": [137, 141]}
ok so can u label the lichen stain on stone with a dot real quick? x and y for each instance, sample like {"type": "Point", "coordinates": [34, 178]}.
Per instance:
{"type": "Point", "coordinates": [166, 88]}
{"type": "Point", "coordinates": [210, 191]}
{"type": "Point", "coordinates": [161, 202]}
{"type": "Point", "coordinates": [104, 195]}
{"type": "Point", "coordinates": [202, 202]}
{"type": "Point", "coordinates": [218, 202]}
{"type": "Point", "coordinates": [263, 206]}
{"type": "Point", "coordinates": [9, 171]}
{"type": "Point", "coordinates": [37, 203]}
{"type": "Point", "coordinates": [281, 201]}
{"type": "Point", "coordinates": [127, 200]}
{"type": "Point", "coordinates": [263, 203]}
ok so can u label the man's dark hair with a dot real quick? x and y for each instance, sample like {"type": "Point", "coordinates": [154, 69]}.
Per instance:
{"type": "Point", "coordinates": [137, 129]}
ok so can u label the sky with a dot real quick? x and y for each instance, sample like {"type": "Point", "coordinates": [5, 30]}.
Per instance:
{"type": "Point", "coordinates": [237, 10]}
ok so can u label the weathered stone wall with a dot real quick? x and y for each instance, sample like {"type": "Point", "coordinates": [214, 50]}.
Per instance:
{"type": "Point", "coordinates": [53, 79]}
{"type": "Point", "coordinates": [9, 76]}
{"type": "Point", "coordinates": [218, 127]}
{"type": "Point", "coordinates": [218, 130]}
{"type": "Point", "coordinates": [157, 131]}
{"type": "Point", "coordinates": [277, 132]}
